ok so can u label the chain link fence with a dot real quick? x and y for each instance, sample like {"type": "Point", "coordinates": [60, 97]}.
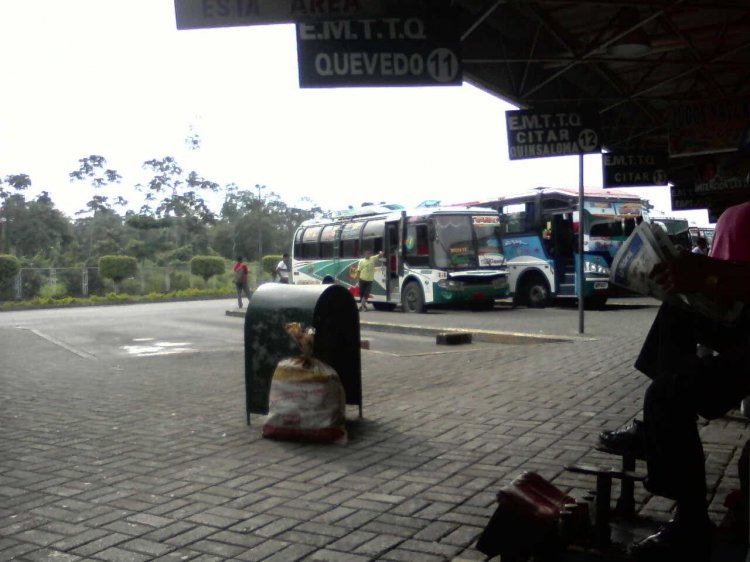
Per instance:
{"type": "Point", "coordinates": [62, 282]}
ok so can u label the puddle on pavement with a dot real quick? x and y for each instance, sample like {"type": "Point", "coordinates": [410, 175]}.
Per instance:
{"type": "Point", "coordinates": [155, 348]}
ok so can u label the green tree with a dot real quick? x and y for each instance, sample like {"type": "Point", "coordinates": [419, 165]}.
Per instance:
{"type": "Point", "coordinates": [173, 195]}
{"type": "Point", "coordinates": [93, 168]}
{"type": "Point", "coordinates": [207, 266]}
{"type": "Point", "coordinates": [18, 182]}
{"type": "Point", "coordinates": [244, 215]}
{"type": "Point", "coordinates": [36, 228]}
{"type": "Point", "coordinates": [117, 268]}
{"type": "Point", "coordinates": [99, 223]}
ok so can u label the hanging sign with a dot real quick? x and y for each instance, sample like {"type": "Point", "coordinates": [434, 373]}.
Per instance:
{"type": "Point", "coordinates": [712, 178]}
{"type": "Point", "coordinates": [196, 14]}
{"type": "Point", "coordinates": [402, 50]}
{"type": "Point", "coordinates": [634, 169]}
{"type": "Point", "coordinates": [709, 127]}
{"type": "Point", "coordinates": [537, 134]}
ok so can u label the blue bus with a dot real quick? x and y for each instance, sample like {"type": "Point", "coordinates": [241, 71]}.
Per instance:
{"type": "Point", "coordinates": [539, 231]}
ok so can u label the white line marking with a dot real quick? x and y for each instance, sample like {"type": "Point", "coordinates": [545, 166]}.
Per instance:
{"type": "Point", "coordinates": [62, 344]}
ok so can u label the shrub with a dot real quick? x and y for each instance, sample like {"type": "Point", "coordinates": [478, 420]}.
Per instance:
{"type": "Point", "coordinates": [72, 279]}
{"type": "Point", "coordinates": [31, 283]}
{"type": "Point", "coordinates": [179, 280]}
{"type": "Point", "coordinates": [9, 267]}
{"type": "Point", "coordinates": [270, 262]}
{"type": "Point", "coordinates": [207, 266]}
{"type": "Point", "coordinates": [53, 290]}
{"type": "Point", "coordinates": [117, 268]}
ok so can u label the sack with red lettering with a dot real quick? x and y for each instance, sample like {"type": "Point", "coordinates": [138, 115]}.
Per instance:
{"type": "Point", "coordinates": [307, 400]}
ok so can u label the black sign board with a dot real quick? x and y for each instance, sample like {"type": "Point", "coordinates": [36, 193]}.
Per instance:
{"type": "Point", "coordinates": [711, 180]}
{"type": "Point", "coordinates": [684, 197]}
{"type": "Point", "coordinates": [537, 134]}
{"type": "Point", "coordinates": [634, 169]}
{"type": "Point", "coordinates": [197, 14]}
{"type": "Point", "coordinates": [404, 50]}
{"type": "Point", "coordinates": [709, 127]}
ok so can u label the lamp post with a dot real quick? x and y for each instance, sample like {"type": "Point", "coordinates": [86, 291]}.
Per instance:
{"type": "Point", "coordinates": [260, 225]}
{"type": "Point", "coordinates": [3, 235]}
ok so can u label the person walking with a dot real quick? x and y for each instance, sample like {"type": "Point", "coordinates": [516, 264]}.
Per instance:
{"type": "Point", "coordinates": [239, 275]}
{"type": "Point", "coordinates": [283, 268]}
{"type": "Point", "coordinates": [366, 274]}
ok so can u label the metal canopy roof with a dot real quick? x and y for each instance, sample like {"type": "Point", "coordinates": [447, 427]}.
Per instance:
{"type": "Point", "coordinates": [632, 61]}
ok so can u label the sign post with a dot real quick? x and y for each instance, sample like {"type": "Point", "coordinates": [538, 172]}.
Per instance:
{"type": "Point", "coordinates": [557, 132]}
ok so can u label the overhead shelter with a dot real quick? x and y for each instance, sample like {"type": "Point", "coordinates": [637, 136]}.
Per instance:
{"type": "Point", "coordinates": [662, 75]}
{"type": "Point", "coordinates": [669, 75]}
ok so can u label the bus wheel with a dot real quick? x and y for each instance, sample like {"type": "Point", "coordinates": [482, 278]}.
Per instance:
{"type": "Point", "coordinates": [412, 299]}
{"type": "Point", "coordinates": [536, 292]}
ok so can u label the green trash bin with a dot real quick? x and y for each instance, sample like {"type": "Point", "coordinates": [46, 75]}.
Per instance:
{"type": "Point", "coordinates": [330, 309]}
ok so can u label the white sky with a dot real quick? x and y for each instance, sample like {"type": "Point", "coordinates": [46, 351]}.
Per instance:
{"type": "Point", "coordinates": [116, 78]}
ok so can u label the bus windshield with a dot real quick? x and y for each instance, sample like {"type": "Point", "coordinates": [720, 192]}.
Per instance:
{"type": "Point", "coordinates": [467, 241]}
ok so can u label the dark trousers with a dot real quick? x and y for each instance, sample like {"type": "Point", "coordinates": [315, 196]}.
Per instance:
{"type": "Point", "coordinates": [684, 386]}
{"type": "Point", "coordinates": [364, 290]}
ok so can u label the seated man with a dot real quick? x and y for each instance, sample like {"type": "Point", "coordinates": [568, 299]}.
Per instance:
{"type": "Point", "coordinates": [683, 386]}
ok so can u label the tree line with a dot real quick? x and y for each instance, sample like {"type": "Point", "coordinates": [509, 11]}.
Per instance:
{"type": "Point", "coordinates": [174, 223]}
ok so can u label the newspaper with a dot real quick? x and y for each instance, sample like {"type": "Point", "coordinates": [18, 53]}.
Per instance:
{"type": "Point", "coordinates": [647, 246]}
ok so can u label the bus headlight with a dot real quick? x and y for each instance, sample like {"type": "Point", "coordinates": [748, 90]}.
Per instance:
{"type": "Point", "coordinates": [596, 268]}
{"type": "Point", "coordinates": [500, 283]}
{"type": "Point", "coordinates": [450, 284]}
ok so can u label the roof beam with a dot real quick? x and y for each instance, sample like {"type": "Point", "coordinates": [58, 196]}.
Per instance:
{"type": "Point", "coordinates": [604, 45]}
{"type": "Point", "coordinates": [684, 74]}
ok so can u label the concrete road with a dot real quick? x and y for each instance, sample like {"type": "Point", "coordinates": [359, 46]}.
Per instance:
{"type": "Point", "coordinates": [136, 330]}
{"type": "Point", "coordinates": [110, 332]}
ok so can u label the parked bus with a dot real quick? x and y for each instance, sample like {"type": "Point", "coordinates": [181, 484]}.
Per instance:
{"type": "Point", "coordinates": [678, 230]}
{"type": "Point", "coordinates": [540, 241]}
{"type": "Point", "coordinates": [431, 255]}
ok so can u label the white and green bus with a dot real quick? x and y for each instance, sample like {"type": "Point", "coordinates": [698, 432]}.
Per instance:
{"type": "Point", "coordinates": [432, 256]}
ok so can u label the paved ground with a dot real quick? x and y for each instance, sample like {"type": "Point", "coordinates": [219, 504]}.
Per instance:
{"type": "Point", "coordinates": [130, 457]}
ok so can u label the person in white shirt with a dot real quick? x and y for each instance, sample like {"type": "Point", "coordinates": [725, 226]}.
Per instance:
{"type": "Point", "coordinates": [701, 247]}
{"type": "Point", "coordinates": [282, 269]}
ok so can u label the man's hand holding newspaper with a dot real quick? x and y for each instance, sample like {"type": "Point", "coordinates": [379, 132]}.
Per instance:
{"type": "Point", "coordinates": [648, 263]}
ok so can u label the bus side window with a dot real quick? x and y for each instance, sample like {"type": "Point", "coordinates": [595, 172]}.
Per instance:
{"type": "Point", "coordinates": [310, 242]}
{"type": "Point", "coordinates": [350, 246]}
{"type": "Point", "coordinates": [372, 236]}
{"type": "Point", "coordinates": [327, 239]}
{"type": "Point", "coordinates": [298, 243]}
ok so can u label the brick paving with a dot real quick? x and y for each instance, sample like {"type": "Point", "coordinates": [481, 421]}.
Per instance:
{"type": "Point", "coordinates": [151, 459]}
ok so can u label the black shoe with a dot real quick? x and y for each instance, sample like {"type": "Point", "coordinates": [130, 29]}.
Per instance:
{"type": "Point", "coordinates": [675, 542]}
{"type": "Point", "coordinates": [629, 440]}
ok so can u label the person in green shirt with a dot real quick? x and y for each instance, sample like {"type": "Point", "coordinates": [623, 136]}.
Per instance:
{"type": "Point", "coordinates": [366, 274]}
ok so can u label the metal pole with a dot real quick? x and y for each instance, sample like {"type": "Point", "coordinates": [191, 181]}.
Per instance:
{"type": "Point", "coordinates": [3, 235]}
{"type": "Point", "coordinates": [579, 275]}
{"type": "Point", "coordinates": [260, 225]}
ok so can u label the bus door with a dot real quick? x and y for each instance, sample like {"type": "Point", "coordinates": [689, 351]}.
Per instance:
{"type": "Point", "coordinates": [563, 246]}
{"type": "Point", "coordinates": [393, 262]}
